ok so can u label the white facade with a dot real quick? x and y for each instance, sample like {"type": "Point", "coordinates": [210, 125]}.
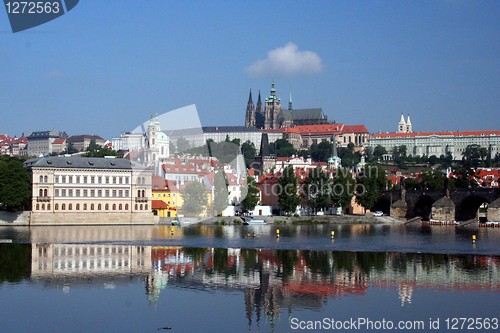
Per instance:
{"type": "Point", "coordinates": [438, 143]}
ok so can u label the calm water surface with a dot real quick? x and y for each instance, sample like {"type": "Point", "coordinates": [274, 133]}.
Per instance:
{"type": "Point", "coordinates": [211, 279]}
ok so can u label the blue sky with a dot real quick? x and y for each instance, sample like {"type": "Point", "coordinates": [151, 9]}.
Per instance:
{"type": "Point", "coordinates": [105, 66]}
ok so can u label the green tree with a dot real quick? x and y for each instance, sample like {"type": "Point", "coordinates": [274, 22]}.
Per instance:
{"type": "Point", "coordinates": [221, 193]}
{"type": "Point", "coordinates": [317, 189]}
{"type": "Point", "coordinates": [288, 198]}
{"type": "Point", "coordinates": [252, 195]}
{"type": "Point", "coordinates": [195, 198]}
{"type": "Point", "coordinates": [432, 179]}
{"type": "Point", "coordinates": [282, 148]}
{"type": "Point", "coordinates": [343, 187]}
{"type": "Point", "coordinates": [369, 185]}
{"type": "Point", "coordinates": [321, 152]}
{"type": "Point", "coordinates": [182, 145]}
{"type": "Point", "coordinates": [248, 151]}
{"type": "Point", "coordinates": [378, 151]}
{"type": "Point", "coordinates": [15, 184]}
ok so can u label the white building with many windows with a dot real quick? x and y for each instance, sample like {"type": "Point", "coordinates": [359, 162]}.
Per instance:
{"type": "Point", "coordinates": [438, 143]}
{"type": "Point", "coordinates": [79, 190]}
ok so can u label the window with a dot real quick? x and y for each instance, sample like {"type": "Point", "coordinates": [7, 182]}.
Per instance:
{"type": "Point", "coordinates": [107, 179]}
{"type": "Point", "coordinates": [126, 193]}
{"type": "Point", "coordinates": [92, 193]}
{"type": "Point", "coordinates": [70, 206]}
{"type": "Point", "coordinates": [91, 206]}
{"type": "Point", "coordinates": [48, 206]}
{"type": "Point", "coordinates": [45, 179]}
{"type": "Point", "coordinates": [77, 206]}
{"type": "Point", "coordinates": [99, 193]}
{"type": "Point", "coordinates": [107, 193]}
{"type": "Point", "coordinates": [126, 206]}
{"type": "Point", "coordinates": [126, 180]}
{"type": "Point", "coordinates": [41, 179]}
{"type": "Point", "coordinates": [99, 179]}
{"type": "Point", "coordinates": [77, 193]}
{"type": "Point", "coordinates": [63, 192]}
{"type": "Point", "coordinates": [120, 193]}
{"type": "Point", "coordinates": [114, 180]}
{"type": "Point", "coordinates": [99, 207]}
{"type": "Point", "coordinates": [40, 192]}
{"type": "Point", "coordinates": [56, 179]}
{"type": "Point", "coordinates": [70, 193]}
{"type": "Point", "coordinates": [92, 179]}
{"type": "Point", "coordinates": [120, 207]}
{"type": "Point", "coordinates": [114, 206]}
{"type": "Point", "coordinates": [45, 193]}
{"type": "Point", "coordinates": [106, 207]}
{"type": "Point", "coordinates": [84, 206]}
{"type": "Point", "coordinates": [63, 207]}
{"type": "Point", "coordinates": [114, 193]}
{"type": "Point", "coordinates": [37, 206]}
{"type": "Point", "coordinates": [56, 192]}
{"type": "Point", "coordinates": [56, 206]}
{"type": "Point", "coordinates": [85, 193]}
{"type": "Point", "coordinates": [85, 179]}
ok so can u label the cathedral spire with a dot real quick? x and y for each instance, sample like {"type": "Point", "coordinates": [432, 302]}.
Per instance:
{"type": "Point", "coordinates": [290, 102]}
{"type": "Point", "coordinates": [250, 113]}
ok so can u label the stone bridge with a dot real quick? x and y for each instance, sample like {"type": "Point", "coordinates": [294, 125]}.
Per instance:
{"type": "Point", "coordinates": [461, 205]}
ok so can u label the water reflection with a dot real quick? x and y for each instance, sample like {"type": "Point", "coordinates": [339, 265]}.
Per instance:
{"type": "Point", "coordinates": [292, 273]}
{"type": "Point", "coordinates": [360, 237]}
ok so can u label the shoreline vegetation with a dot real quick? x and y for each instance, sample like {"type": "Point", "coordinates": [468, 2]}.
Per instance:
{"type": "Point", "coordinates": [300, 220]}
{"type": "Point", "coordinates": [22, 219]}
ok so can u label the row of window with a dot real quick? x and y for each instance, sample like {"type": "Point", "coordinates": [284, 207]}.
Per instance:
{"type": "Point", "coordinates": [92, 193]}
{"type": "Point", "coordinates": [91, 206]}
{"type": "Point", "coordinates": [63, 179]}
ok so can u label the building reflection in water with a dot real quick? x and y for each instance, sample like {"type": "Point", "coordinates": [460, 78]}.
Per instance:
{"type": "Point", "coordinates": [271, 280]}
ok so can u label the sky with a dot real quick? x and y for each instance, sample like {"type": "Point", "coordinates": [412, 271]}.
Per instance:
{"type": "Point", "coordinates": [106, 66]}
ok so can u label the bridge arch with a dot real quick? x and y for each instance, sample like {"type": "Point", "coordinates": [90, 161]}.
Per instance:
{"type": "Point", "coordinates": [469, 208]}
{"type": "Point", "coordinates": [383, 204]}
{"type": "Point", "coordinates": [423, 207]}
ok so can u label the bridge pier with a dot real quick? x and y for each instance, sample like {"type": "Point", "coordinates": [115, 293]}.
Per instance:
{"type": "Point", "coordinates": [443, 210]}
{"type": "Point", "coordinates": [398, 209]}
{"type": "Point", "coordinates": [493, 214]}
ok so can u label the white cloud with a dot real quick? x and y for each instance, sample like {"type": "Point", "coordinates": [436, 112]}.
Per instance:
{"type": "Point", "coordinates": [287, 61]}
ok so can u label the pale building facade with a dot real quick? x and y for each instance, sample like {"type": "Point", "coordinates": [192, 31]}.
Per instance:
{"type": "Point", "coordinates": [438, 143]}
{"type": "Point", "coordinates": [78, 190]}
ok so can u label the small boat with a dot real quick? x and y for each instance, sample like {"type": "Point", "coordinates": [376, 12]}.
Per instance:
{"type": "Point", "coordinates": [248, 220]}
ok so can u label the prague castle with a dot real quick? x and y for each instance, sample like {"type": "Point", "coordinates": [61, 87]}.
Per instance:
{"type": "Point", "coordinates": [271, 115]}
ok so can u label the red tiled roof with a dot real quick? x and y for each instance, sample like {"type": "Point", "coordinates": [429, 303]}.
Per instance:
{"type": "Point", "coordinates": [59, 141]}
{"type": "Point", "coordinates": [159, 204]}
{"type": "Point", "coordinates": [320, 129]}
{"type": "Point", "coordinates": [355, 129]}
{"type": "Point", "coordinates": [444, 133]}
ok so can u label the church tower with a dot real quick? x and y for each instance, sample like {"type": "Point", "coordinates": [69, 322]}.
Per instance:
{"type": "Point", "coordinates": [402, 125]}
{"type": "Point", "coordinates": [250, 114]}
{"type": "Point", "coordinates": [259, 115]}
{"type": "Point", "coordinates": [272, 110]}
{"type": "Point", "coordinates": [409, 128]}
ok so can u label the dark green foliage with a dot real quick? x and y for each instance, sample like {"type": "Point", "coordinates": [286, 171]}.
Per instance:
{"type": "Point", "coordinates": [343, 188]}
{"type": "Point", "coordinates": [282, 148]}
{"type": "Point", "coordinates": [370, 183]}
{"type": "Point", "coordinates": [288, 198]}
{"type": "Point", "coordinates": [221, 193]}
{"type": "Point", "coordinates": [15, 184]}
{"type": "Point", "coordinates": [252, 195]}
{"type": "Point", "coordinates": [248, 150]}
{"type": "Point", "coordinates": [195, 198]}
{"type": "Point", "coordinates": [321, 152]}
{"type": "Point", "coordinates": [317, 189]}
